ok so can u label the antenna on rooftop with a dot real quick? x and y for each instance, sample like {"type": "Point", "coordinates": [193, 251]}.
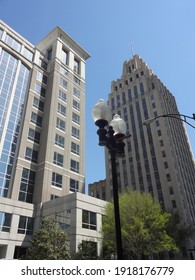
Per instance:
{"type": "Point", "coordinates": [132, 50]}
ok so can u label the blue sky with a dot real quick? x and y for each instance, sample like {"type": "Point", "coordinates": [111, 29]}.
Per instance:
{"type": "Point", "coordinates": [161, 31]}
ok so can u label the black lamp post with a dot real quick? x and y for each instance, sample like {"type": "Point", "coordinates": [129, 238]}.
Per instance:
{"type": "Point", "coordinates": [111, 135]}
{"type": "Point", "coordinates": [179, 117]}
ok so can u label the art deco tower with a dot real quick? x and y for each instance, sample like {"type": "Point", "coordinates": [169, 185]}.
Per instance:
{"type": "Point", "coordinates": [158, 157]}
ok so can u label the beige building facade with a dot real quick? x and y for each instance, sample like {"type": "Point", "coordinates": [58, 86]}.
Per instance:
{"type": "Point", "coordinates": [42, 140]}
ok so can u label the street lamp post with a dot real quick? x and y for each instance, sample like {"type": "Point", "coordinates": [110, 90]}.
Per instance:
{"type": "Point", "coordinates": [111, 136]}
{"type": "Point", "coordinates": [179, 117]}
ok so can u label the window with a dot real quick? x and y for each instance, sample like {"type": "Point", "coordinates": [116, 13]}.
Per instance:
{"type": "Point", "coordinates": [75, 132]}
{"type": "Point", "coordinates": [5, 221]}
{"type": "Point", "coordinates": [165, 165]}
{"type": "Point", "coordinates": [124, 97]}
{"type": "Point", "coordinates": [27, 185]}
{"type": "Point", "coordinates": [74, 148]}
{"type": "Point", "coordinates": [56, 180]}
{"type": "Point", "coordinates": [171, 190]}
{"type": "Point", "coordinates": [161, 143]}
{"type": "Point", "coordinates": [49, 54]}
{"type": "Point", "coordinates": [31, 155]}
{"type": "Point", "coordinates": [58, 159]}
{"type": "Point", "coordinates": [36, 119]}
{"type": "Point", "coordinates": [63, 83]}
{"type": "Point", "coordinates": [60, 124]}
{"type": "Point", "coordinates": [76, 80]}
{"type": "Point", "coordinates": [13, 43]}
{"type": "Point", "coordinates": [168, 177]}
{"type": "Point", "coordinates": [61, 109]}
{"type": "Point", "coordinates": [41, 77]}
{"type": "Point", "coordinates": [76, 105]}
{"type": "Point", "coordinates": [62, 95]}
{"type": "Point", "coordinates": [76, 92]}
{"type": "Point", "coordinates": [28, 54]}
{"type": "Point", "coordinates": [89, 220]}
{"type": "Point", "coordinates": [173, 203]}
{"type": "Point", "coordinates": [163, 154]}
{"type": "Point", "coordinates": [74, 166]}
{"type": "Point", "coordinates": [75, 118]}
{"type": "Point", "coordinates": [40, 90]}
{"type": "Point", "coordinates": [64, 56]}
{"type": "Point", "coordinates": [157, 123]}
{"type": "Point", "coordinates": [74, 185]}
{"type": "Point", "coordinates": [25, 225]}
{"type": "Point", "coordinates": [63, 71]}
{"type": "Point", "coordinates": [59, 140]}
{"type": "Point", "coordinates": [38, 104]}
{"type": "Point", "coordinates": [34, 135]}
{"type": "Point", "coordinates": [76, 66]}
{"type": "Point", "coordinates": [129, 95]}
{"type": "Point", "coordinates": [159, 132]}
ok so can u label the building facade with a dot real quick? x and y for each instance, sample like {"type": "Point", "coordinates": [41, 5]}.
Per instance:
{"type": "Point", "coordinates": [42, 130]}
{"type": "Point", "coordinates": [158, 157]}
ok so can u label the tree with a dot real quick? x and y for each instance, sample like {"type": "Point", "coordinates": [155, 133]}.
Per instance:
{"type": "Point", "coordinates": [49, 242]}
{"type": "Point", "coordinates": [143, 227]}
{"type": "Point", "coordinates": [87, 250]}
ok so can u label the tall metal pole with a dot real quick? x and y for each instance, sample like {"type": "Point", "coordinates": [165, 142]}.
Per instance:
{"type": "Point", "coordinates": [116, 205]}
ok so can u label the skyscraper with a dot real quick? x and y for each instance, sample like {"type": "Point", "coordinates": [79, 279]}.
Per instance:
{"type": "Point", "coordinates": [158, 157]}
{"type": "Point", "coordinates": [42, 139]}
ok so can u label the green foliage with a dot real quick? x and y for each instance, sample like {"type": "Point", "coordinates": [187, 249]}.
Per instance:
{"type": "Point", "coordinates": [143, 227]}
{"type": "Point", "coordinates": [49, 242]}
{"type": "Point", "coordinates": [87, 250]}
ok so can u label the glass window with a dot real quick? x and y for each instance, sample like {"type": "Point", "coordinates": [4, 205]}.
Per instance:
{"type": "Point", "coordinates": [173, 203]}
{"type": "Point", "coordinates": [74, 185]}
{"type": "Point", "coordinates": [56, 180]}
{"type": "Point", "coordinates": [40, 90]}
{"type": "Point", "coordinates": [89, 220]}
{"type": "Point", "coordinates": [142, 88]}
{"type": "Point", "coordinates": [129, 95]}
{"type": "Point", "coordinates": [60, 124]}
{"type": "Point", "coordinates": [58, 159]}
{"type": "Point", "coordinates": [74, 148]}
{"type": "Point", "coordinates": [62, 95]}
{"type": "Point", "coordinates": [33, 135]}
{"type": "Point", "coordinates": [76, 105]}
{"type": "Point", "coordinates": [168, 177]}
{"type": "Point", "coordinates": [28, 54]}
{"type": "Point", "coordinates": [36, 119]}
{"type": "Point", "coordinates": [38, 104]}
{"type": "Point", "coordinates": [5, 221]}
{"type": "Point", "coordinates": [74, 166]}
{"type": "Point", "coordinates": [75, 118]}
{"type": "Point", "coordinates": [59, 140]}
{"type": "Point", "coordinates": [135, 92]}
{"type": "Point", "coordinates": [13, 43]}
{"type": "Point", "coordinates": [49, 54]}
{"type": "Point", "coordinates": [76, 92]}
{"type": "Point", "coordinates": [63, 83]}
{"type": "Point", "coordinates": [61, 109]}
{"type": "Point", "coordinates": [26, 225]}
{"type": "Point", "coordinates": [63, 71]}
{"type": "Point", "coordinates": [64, 56]}
{"type": "Point", "coordinates": [27, 185]}
{"type": "Point", "coordinates": [75, 132]}
{"type": "Point", "coordinates": [76, 80]}
{"type": "Point", "coordinates": [31, 155]}
{"type": "Point", "coordinates": [76, 66]}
